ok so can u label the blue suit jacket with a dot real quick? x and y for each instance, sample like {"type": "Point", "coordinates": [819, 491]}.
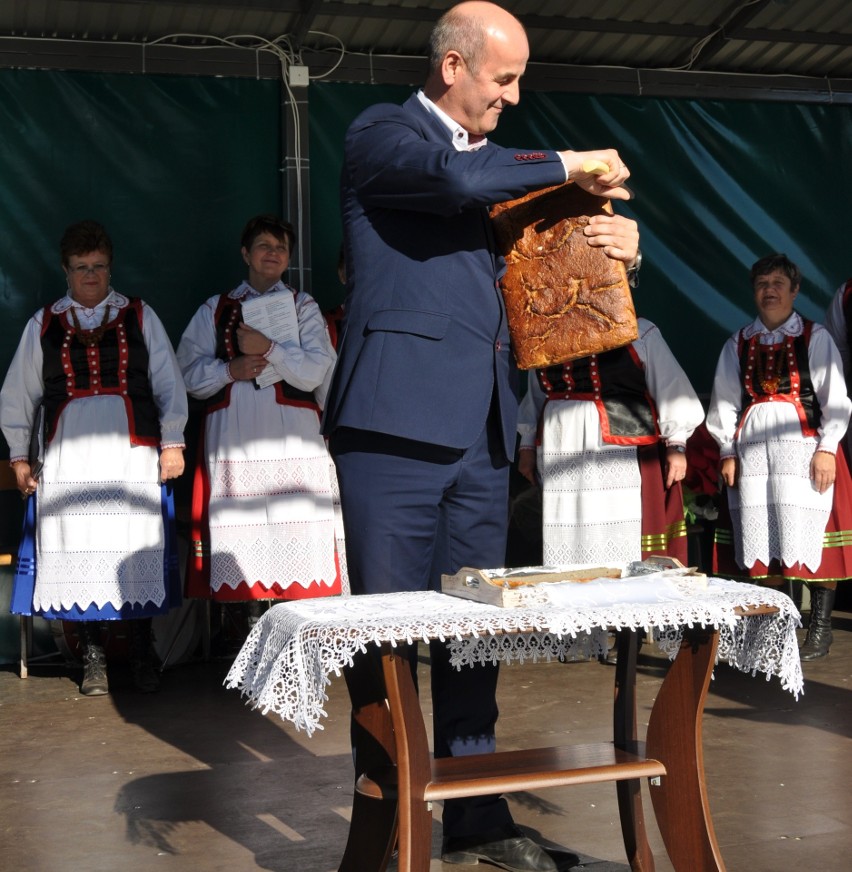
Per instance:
{"type": "Point", "coordinates": [425, 343]}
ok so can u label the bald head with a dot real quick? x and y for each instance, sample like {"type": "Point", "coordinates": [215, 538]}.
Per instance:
{"type": "Point", "coordinates": [468, 28]}
{"type": "Point", "coordinates": [478, 54]}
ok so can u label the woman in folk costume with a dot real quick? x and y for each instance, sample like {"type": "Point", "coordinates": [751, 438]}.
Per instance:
{"type": "Point", "coordinates": [779, 411]}
{"type": "Point", "coordinates": [612, 431]}
{"type": "Point", "coordinates": [99, 541]}
{"type": "Point", "coordinates": [263, 520]}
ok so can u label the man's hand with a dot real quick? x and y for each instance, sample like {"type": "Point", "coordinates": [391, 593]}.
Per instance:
{"type": "Point", "coordinates": [618, 235]}
{"type": "Point", "coordinates": [602, 184]}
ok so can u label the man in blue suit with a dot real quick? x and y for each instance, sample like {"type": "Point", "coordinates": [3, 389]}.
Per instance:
{"type": "Point", "coordinates": [421, 413]}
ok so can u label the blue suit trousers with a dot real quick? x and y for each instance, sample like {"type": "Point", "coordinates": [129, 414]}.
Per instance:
{"type": "Point", "coordinates": [411, 512]}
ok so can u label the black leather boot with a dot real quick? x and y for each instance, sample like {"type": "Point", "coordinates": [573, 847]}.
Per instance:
{"type": "Point", "coordinates": [819, 638]}
{"type": "Point", "coordinates": [94, 681]}
{"type": "Point", "coordinates": [145, 676]}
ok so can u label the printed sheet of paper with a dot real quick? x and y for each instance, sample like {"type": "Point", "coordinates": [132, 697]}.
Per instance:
{"type": "Point", "coordinates": [274, 315]}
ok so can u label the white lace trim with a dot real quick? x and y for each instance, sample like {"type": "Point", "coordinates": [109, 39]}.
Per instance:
{"type": "Point", "coordinates": [272, 522]}
{"type": "Point", "coordinates": [776, 512]}
{"type": "Point", "coordinates": [285, 554]}
{"type": "Point", "coordinates": [234, 479]}
{"type": "Point", "coordinates": [289, 657]}
{"type": "Point", "coordinates": [592, 506]}
{"type": "Point", "coordinates": [99, 542]}
{"type": "Point", "coordinates": [793, 326]}
{"type": "Point", "coordinates": [66, 579]}
{"type": "Point", "coordinates": [113, 298]}
{"type": "Point", "coordinates": [566, 544]}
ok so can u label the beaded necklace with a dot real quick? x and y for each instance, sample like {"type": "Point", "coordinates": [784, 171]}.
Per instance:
{"type": "Point", "coordinates": [90, 338]}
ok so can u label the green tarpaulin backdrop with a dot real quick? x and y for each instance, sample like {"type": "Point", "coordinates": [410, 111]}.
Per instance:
{"type": "Point", "coordinates": [174, 166]}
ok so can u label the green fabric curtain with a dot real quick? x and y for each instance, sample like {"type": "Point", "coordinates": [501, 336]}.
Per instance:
{"type": "Point", "coordinates": [717, 185]}
{"type": "Point", "coordinates": [174, 165]}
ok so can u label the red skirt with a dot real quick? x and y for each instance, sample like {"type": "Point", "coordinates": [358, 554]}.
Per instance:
{"type": "Point", "coordinates": [836, 564]}
{"type": "Point", "coordinates": [663, 524]}
{"type": "Point", "coordinates": [198, 562]}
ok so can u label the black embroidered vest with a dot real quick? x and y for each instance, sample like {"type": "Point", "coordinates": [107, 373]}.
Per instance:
{"type": "Point", "coordinates": [615, 382]}
{"type": "Point", "coordinates": [779, 373]}
{"type": "Point", "coordinates": [116, 366]}
{"type": "Point", "coordinates": [226, 320]}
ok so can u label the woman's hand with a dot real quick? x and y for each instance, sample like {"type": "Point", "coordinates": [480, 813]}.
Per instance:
{"type": "Point", "coordinates": [247, 366]}
{"type": "Point", "coordinates": [823, 470]}
{"type": "Point", "coordinates": [252, 341]}
{"type": "Point", "coordinates": [526, 464]}
{"type": "Point", "coordinates": [24, 480]}
{"type": "Point", "coordinates": [171, 463]}
{"type": "Point", "coordinates": [675, 466]}
{"type": "Point", "coordinates": [728, 470]}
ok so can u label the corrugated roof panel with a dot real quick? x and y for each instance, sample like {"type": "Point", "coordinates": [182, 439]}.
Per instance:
{"type": "Point", "coordinates": [781, 57]}
{"type": "Point", "coordinates": [720, 36]}
{"type": "Point", "coordinates": [823, 17]}
{"type": "Point", "coordinates": [382, 35]}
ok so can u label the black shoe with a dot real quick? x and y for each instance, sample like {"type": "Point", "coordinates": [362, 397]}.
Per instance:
{"type": "Point", "coordinates": [94, 681]}
{"type": "Point", "coordinates": [516, 853]}
{"type": "Point", "coordinates": [145, 678]}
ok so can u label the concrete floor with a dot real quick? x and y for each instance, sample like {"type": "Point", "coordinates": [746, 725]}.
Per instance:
{"type": "Point", "coordinates": [190, 780]}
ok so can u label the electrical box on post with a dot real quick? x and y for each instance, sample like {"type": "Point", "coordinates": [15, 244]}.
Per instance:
{"type": "Point", "coordinates": [298, 77]}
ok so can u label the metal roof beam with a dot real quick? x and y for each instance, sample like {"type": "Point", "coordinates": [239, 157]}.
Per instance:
{"type": "Point", "coordinates": [242, 5]}
{"type": "Point", "coordinates": [391, 70]}
{"type": "Point", "coordinates": [728, 23]}
{"type": "Point", "coordinates": [805, 37]}
{"type": "Point", "coordinates": [162, 59]}
{"type": "Point", "coordinates": [105, 56]}
{"type": "Point", "coordinates": [305, 22]}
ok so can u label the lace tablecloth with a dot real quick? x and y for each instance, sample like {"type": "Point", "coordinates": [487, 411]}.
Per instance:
{"type": "Point", "coordinates": [289, 657]}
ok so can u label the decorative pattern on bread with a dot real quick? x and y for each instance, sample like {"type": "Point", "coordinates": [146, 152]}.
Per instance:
{"type": "Point", "coordinates": [565, 299]}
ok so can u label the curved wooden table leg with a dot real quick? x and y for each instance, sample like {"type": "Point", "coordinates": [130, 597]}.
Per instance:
{"type": "Point", "coordinates": [413, 763]}
{"type": "Point", "coordinates": [372, 835]}
{"type": "Point", "coordinates": [629, 792]}
{"type": "Point", "coordinates": [674, 738]}
{"type": "Point", "coordinates": [373, 827]}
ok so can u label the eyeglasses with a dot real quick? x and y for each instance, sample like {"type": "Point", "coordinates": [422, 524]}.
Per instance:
{"type": "Point", "coordinates": [265, 247]}
{"type": "Point", "coordinates": [95, 269]}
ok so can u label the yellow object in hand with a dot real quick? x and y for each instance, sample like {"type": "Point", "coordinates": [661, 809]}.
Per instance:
{"type": "Point", "coordinates": [595, 167]}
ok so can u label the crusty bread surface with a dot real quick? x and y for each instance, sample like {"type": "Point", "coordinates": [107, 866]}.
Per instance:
{"type": "Point", "coordinates": [565, 299]}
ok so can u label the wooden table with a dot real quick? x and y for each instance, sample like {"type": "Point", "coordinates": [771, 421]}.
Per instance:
{"type": "Point", "coordinates": [290, 656]}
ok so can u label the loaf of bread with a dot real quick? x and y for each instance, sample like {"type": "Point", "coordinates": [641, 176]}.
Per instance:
{"type": "Point", "coordinates": [564, 298]}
